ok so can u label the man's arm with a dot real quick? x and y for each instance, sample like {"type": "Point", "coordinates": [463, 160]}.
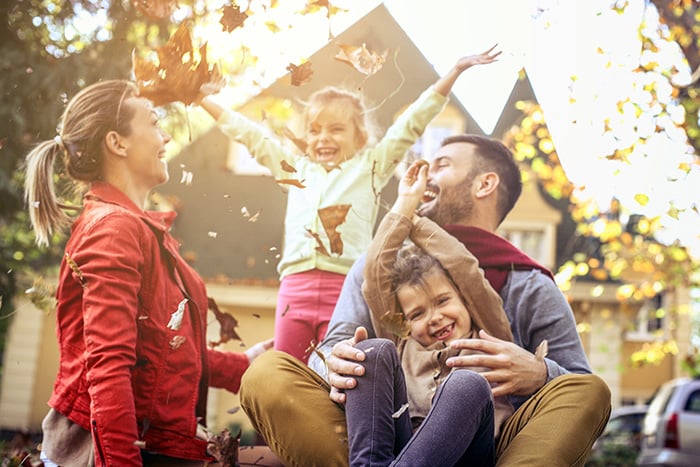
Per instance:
{"type": "Point", "coordinates": [537, 311]}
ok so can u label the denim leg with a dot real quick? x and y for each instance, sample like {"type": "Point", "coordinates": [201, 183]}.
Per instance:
{"type": "Point", "coordinates": [459, 428]}
{"type": "Point", "coordinates": [374, 435]}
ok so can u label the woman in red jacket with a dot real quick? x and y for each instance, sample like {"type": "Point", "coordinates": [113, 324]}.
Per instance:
{"type": "Point", "coordinates": [131, 317]}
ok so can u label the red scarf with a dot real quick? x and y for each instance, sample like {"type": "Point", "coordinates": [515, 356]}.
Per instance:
{"type": "Point", "coordinates": [496, 255]}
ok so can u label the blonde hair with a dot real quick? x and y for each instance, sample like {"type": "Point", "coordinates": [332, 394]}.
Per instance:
{"type": "Point", "coordinates": [88, 117]}
{"type": "Point", "coordinates": [352, 101]}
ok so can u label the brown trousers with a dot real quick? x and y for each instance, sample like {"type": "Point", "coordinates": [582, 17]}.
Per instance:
{"type": "Point", "coordinates": [289, 406]}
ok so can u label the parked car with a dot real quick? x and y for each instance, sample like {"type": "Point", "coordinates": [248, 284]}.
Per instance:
{"type": "Point", "coordinates": [620, 442]}
{"type": "Point", "coordinates": [671, 430]}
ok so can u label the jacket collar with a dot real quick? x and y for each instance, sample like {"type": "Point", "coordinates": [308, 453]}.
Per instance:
{"type": "Point", "coordinates": [107, 193]}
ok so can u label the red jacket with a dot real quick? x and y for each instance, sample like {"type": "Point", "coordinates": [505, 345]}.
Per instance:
{"type": "Point", "coordinates": [131, 323]}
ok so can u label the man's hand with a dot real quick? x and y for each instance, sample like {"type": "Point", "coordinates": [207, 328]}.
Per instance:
{"type": "Point", "coordinates": [512, 369]}
{"type": "Point", "coordinates": [341, 365]}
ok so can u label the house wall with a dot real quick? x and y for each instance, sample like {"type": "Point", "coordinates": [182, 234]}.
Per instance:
{"type": "Point", "coordinates": [604, 323]}
{"type": "Point", "coordinates": [29, 367]}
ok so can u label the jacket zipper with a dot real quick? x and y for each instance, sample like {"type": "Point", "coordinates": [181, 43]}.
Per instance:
{"type": "Point", "coordinates": [97, 443]}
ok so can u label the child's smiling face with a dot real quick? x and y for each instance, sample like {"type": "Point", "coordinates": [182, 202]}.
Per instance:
{"type": "Point", "coordinates": [332, 137]}
{"type": "Point", "coordinates": [434, 310]}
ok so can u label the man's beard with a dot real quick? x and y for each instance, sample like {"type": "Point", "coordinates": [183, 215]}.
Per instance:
{"type": "Point", "coordinates": [453, 204]}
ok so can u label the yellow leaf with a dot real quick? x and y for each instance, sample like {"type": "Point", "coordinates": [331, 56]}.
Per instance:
{"type": "Point", "coordinates": [642, 199]}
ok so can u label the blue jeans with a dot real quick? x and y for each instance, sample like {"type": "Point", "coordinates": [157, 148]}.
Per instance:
{"type": "Point", "coordinates": [457, 431]}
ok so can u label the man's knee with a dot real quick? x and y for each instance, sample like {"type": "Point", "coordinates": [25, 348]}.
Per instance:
{"type": "Point", "coordinates": [590, 395]}
{"type": "Point", "coordinates": [255, 383]}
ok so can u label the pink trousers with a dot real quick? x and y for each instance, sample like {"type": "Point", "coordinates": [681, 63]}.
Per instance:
{"type": "Point", "coordinates": [305, 304]}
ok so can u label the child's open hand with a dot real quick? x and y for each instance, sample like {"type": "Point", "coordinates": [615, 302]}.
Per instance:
{"type": "Point", "coordinates": [411, 188]}
{"type": "Point", "coordinates": [480, 59]}
{"type": "Point", "coordinates": [215, 84]}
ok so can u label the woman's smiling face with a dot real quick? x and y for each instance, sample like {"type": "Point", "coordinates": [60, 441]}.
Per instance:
{"type": "Point", "coordinates": [434, 310]}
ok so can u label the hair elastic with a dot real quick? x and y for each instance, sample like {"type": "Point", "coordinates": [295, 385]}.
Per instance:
{"type": "Point", "coordinates": [59, 141]}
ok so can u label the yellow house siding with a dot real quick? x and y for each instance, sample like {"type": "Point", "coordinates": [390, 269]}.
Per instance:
{"type": "Point", "coordinates": [21, 362]}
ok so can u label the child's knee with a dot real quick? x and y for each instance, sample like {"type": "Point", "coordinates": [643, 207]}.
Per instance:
{"type": "Point", "coordinates": [378, 349]}
{"type": "Point", "coordinates": [468, 381]}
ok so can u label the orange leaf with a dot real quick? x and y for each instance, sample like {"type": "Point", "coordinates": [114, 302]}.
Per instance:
{"type": "Point", "coordinates": [155, 9]}
{"type": "Point", "coordinates": [232, 18]}
{"type": "Point", "coordinates": [178, 73]}
{"type": "Point", "coordinates": [301, 74]}
{"type": "Point", "coordinates": [361, 58]}
{"type": "Point", "coordinates": [331, 217]}
{"type": "Point", "coordinates": [298, 142]}
{"type": "Point", "coordinates": [287, 167]}
{"type": "Point", "coordinates": [291, 181]}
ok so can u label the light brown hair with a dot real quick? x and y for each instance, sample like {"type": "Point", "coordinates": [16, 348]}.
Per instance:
{"type": "Point", "coordinates": [88, 117]}
{"type": "Point", "coordinates": [350, 101]}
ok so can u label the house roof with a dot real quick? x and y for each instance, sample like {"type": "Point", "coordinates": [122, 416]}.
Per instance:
{"type": "Point", "coordinates": [217, 237]}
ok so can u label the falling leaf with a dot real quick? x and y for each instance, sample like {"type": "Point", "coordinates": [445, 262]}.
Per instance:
{"type": "Point", "coordinates": [74, 267]}
{"type": "Point", "coordinates": [331, 217]}
{"type": "Point", "coordinates": [298, 142]}
{"type": "Point", "coordinates": [232, 17]}
{"type": "Point", "coordinates": [394, 323]}
{"type": "Point", "coordinates": [287, 167]}
{"type": "Point", "coordinates": [291, 181]}
{"type": "Point", "coordinates": [641, 198]}
{"type": "Point", "coordinates": [42, 295]}
{"type": "Point", "coordinates": [361, 58]}
{"type": "Point", "coordinates": [177, 341]}
{"type": "Point", "coordinates": [186, 178]}
{"type": "Point", "coordinates": [155, 9]}
{"type": "Point", "coordinates": [401, 410]}
{"type": "Point", "coordinates": [246, 214]}
{"type": "Point", "coordinates": [176, 317]}
{"type": "Point", "coordinates": [301, 74]}
{"type": "Point", "coordinates": [177, 74]}
{"type": "Point", "coordinates": [319, 244]}
{"type": "Point", "coordinates": [224, 447]}
{"type": "Point", "coordinates": [227, 324]}
{"type": "Point", "coordinates": [272, 26]}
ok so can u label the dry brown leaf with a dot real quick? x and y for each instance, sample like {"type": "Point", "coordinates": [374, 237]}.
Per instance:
{"type": "Point", "coordinates": [301, 74]}
{"type": "Point", "coordinates": [361, 58]}
{"type": "Point", "coordinates": [178, 73]}
{"type": "Point", "coordinates": [155, 9]}
{"type": "Point", "coordinates": [291, 181]}
{"type": "Point", "coordinates": [227, 325]}
{"type": "Point", "coordinates": [224, 447]}
{"type": "Point", "coordinates": [395, 323]}
{"type": "Point", "coordinates": [331, 217]}
{"type": "Point", "coordinates": [74, 267]}
{"type": "Point", "coordinates": [320, 247]}
{"type": "Point", "coordinates": [298, 142]}
{"type": "Point", "coordinates": [232, 17]}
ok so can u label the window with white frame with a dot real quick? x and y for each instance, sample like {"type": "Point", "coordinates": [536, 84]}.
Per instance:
{"type": "Point", "coordinates": [650, 320]}
{"type": "Point", "coordinates": [534, 238]}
